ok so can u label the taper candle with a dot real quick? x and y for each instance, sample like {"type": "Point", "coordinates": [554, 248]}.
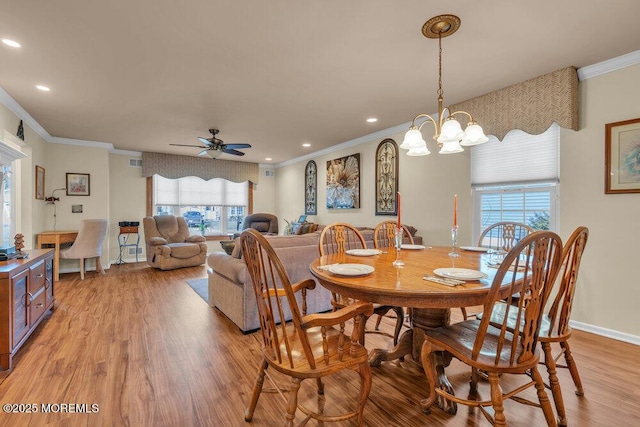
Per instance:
{"type": "Point", "coordinates": [455, 210]}
{"type": "Point", "coordinates": [398, 201]}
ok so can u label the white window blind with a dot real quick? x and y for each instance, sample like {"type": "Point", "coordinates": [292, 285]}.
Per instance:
{"type": "Point", "coordinates": [196, 191]}
{"type": "Point", "coordinates": [519, 158]}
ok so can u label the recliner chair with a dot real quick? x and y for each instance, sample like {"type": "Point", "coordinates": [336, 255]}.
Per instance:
{"type": "Point", "coordinates": [265, 223]}
{"type": "Point", "coordinates": [169, 244]}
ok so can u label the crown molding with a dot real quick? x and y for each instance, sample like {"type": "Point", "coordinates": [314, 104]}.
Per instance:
{"type": "Point", "coordinates": [95, 144]}
{"type": "Point", "coordinates": [609, 65]}
{"type": "Point", "coordinates": [8, 101]}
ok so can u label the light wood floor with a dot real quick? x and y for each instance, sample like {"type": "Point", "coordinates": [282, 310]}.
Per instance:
{"type": "Point", "coordinates": [144, 347]}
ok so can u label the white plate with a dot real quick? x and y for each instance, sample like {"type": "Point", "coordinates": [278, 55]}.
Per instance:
{"type": "Point", "coordinates": [411, 247]}
{"type": "Point", "coordinates": [460, 273]}
{"type": "Point", "coordinates": [364, 252]}
{"type": "Point", "coordinates": [474, 248]}
{"type": "Point", "coordinates": [351, 269]}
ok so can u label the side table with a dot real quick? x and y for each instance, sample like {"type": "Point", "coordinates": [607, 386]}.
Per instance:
{"type": "Point", "coordinates": [125, 234]}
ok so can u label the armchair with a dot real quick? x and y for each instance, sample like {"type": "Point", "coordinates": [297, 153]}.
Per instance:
{"type": "Point", "coordinates": [265, 223]}
{"type": "Point", "coordinates": [169, 245]}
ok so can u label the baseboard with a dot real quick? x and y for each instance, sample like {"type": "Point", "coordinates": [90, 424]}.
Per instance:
{"type": "Point", "coordinates": [609, 333]}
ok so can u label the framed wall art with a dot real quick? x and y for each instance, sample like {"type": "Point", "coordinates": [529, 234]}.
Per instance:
{"type": "Point", "coordinates": [622, 157]}
{"type": "Point", "coordinates": [39, 183]}
{"type": "Point", "coordinates": [311, 188]}
{"type": "Point", "coordinates": [78, 184]}
{"type": "Point", "coordinates": [343, 182]}
{"type": "Point", "coordinates": [386, 177]}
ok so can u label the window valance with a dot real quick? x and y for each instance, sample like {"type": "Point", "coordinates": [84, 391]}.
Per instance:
{"type": "Point", "coordinates": [173, 166]}
{"type": "Point", "coordinates": [531, 106]}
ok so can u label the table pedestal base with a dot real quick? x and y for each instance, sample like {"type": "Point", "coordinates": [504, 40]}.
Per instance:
{"type": "Point", "coordinates": [411, 341]}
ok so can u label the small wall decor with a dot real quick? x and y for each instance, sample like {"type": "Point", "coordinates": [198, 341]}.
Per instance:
{"type": "Point", "coordinates": [311, 188]}
{"type": "Point", "coordinates": [78, 184]}
{"type": "Point", "coordinates": [39, 183]}
{"type": "Point", "coordinates": [20, 133]}
{"type": "Point", "coordinates": [622, 157]}
{"type": "Point", "coordinates": [343, 182]}
{"type": "Point", "coordinates": [76, 208]}
{"type": "Point", "coordinates": [386, 177]}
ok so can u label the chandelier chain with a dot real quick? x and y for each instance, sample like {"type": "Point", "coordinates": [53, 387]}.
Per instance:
{"type": "Point", "coordinates": [440, 92]}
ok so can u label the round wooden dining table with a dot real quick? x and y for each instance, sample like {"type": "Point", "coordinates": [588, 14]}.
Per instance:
{"type": "Point", "coordinates": [405, 286]}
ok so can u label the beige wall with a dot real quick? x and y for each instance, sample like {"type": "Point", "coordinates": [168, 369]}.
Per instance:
{"type": "Point", "coordinates": [427, 185]}
{"type": "Point", "coordinates": [609, 290]}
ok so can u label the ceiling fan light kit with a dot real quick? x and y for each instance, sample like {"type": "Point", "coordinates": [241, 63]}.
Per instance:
{"type": "Point", "coordinates": [215, 147]}
{"type": "Point", "coordinates": [447, 131]}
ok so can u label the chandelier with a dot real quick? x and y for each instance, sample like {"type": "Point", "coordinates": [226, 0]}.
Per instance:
{"type": "Point", "coordinates": [448, 132]}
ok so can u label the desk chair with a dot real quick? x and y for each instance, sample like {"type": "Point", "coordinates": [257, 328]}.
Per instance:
{"type": "Point", "coordinates": [88, 244]}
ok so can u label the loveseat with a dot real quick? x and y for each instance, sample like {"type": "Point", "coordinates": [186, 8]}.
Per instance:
{"type": "Point", "coordinates": [231, 290]}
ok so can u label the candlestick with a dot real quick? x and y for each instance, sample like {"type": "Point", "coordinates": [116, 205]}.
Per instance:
{"type": "Point", "coordinates": [399, 222]}
{"type": "Point", "coordinates": [455, 210]}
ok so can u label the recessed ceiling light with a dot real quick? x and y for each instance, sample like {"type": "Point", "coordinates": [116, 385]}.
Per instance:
{"type": "Point", "coordinates": [372, 120]}
{"type": "Point", "coordinates": [306, 144]}
{"type": "Point", "coordinates": [11, 43]}
{"type": "Point", "coordinates": [268, 159]}
{"type": "Point", "coordinates": [43, 88]}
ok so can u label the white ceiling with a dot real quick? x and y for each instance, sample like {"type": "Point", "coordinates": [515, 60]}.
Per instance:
{"type": "Point", "coordinates": [146, 73]}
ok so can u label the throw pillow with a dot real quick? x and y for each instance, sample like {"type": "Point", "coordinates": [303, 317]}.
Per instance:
{"type": "Point", "coordinates": [237, 249]}
{"type": "Point", "coordinates": [228, 246]}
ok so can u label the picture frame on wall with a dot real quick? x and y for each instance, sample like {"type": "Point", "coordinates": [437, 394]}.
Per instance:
{"type": "Point", "coordinates": [311, 188]}
{"type": "Point", "coordinates": [622, 157]}
{"type": "Point", "coordinates": [78, 184]}
{"type": "Point", "coordinates": [387, 177]}
{"type": "Point", "coordinates": [40, 183]}
{"type": "Point", "coordinates": [343, 182]}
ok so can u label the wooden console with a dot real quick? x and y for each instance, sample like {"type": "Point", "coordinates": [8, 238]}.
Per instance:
{"type": "Point", "coordinates": [26, 293]}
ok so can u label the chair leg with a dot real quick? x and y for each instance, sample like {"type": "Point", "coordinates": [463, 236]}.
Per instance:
{"type": "Point", "coordinates": [365, 387]}
{"type": "Point", "coordinates": [99, 266]}
{"type": "Point", "coordinates": [497, 400]}
{"type": "Point", "coordinates": [464, 313]}
{"type": "Point", "coordinates": [257, 389]}
{"type": "Point", "coordinates": [292, 403]}
{"type": "Point", "coordinates": [554, 384]}
{"type": "Point", "coordinates": [543, 398]}
{"type": "Point", "coordinates": [81, 268]}
{"type": "Point", "coordinates": [429, 370]}
{"type": "Point", "coordinates": [573, 368]}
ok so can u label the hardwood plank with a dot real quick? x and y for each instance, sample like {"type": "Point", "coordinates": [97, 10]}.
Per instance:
{"type": "Point", "coordinates": [148, 350]}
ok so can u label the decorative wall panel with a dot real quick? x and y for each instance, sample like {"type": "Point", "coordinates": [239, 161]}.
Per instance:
{"type": "Point", "coordinates": [386, 177]}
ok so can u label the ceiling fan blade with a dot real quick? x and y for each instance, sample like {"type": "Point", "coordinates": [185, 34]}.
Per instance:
{"type": "Point", "coordinates": [205, 141]}
{"type": "Point", "coordinates": [187, 145]}
{"type": "Point", "coordinates": [237, 146]}
{"type": "Point", "coordinates": [232, 151]}
{"type": "Point", "coordinates": [203, 153]}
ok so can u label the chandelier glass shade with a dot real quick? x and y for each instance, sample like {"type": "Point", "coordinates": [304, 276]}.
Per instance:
{"type": "Point", "coordinates": [447, 130]}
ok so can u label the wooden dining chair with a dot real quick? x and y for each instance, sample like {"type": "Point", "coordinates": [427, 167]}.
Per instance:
{"type": "Point", "coordinates": [339, 237]}
{"type": "Point", "coordinates": [501, 236]}
{"type": "Point", "coordinates": [531, 267]}
{"type": "Point", "coordinates": [307, 347]}
{"type": "Point", "coordinates": [384, 236]}
{"type": "Point", "coordinates": [555, 327]}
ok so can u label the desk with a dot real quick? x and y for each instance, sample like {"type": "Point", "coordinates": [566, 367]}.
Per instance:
{"type": "Point", "coordinates": [431, 302]}
{"type": "Point", "coordinates": [56, 238]}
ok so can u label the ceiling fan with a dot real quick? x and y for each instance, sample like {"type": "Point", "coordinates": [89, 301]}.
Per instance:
{"type": "Point", "coordinates": [214, 147]}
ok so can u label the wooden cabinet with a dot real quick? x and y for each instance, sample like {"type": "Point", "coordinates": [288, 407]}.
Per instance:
{"type": "Point", "coordinates": [26, 293]}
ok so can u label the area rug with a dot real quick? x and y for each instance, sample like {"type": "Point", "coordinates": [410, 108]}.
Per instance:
{"type": "Point", "coordinates": [201, 286]}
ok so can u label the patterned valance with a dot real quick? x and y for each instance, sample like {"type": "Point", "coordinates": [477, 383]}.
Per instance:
{"type": "Point", "coordinates": [172, 166]}
{"type": "Point", "coordinates": [530, 106]}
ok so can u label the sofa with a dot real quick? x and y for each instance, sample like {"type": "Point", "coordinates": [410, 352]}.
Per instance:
{"type": "Point", "coordinates": [169, 244]}
{"type": "Point", "coordinates": [231, 290]}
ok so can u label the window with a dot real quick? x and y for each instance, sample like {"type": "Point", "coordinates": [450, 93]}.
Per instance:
{"type": "Point", "coordinates": [8, 225]}
{"type": "Point", "coordinates": [516, 180]}
{"type": "Point", "coordinates": [211, 207]}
